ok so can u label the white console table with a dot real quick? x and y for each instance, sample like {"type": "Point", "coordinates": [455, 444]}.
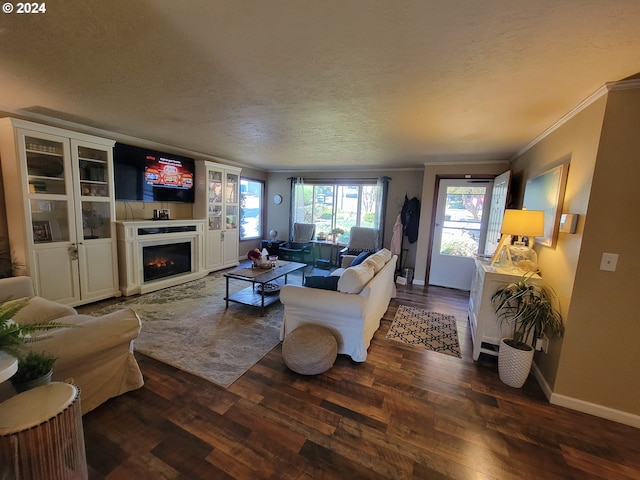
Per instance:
{"type": "Point", "coordinates": [486, 332]}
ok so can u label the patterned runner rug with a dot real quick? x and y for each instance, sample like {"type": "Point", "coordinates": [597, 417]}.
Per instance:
{"type": "Point", "coordinates": [416, 326]}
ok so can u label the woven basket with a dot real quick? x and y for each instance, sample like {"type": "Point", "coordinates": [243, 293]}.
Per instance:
{"type": "Point", "coordinates": [309, 350]}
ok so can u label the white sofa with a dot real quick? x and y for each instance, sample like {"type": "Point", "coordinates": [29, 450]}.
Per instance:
{"type": "Point", "coordinates": [352, 317]}
{"type": "Point", "coordinates": [97, 354]}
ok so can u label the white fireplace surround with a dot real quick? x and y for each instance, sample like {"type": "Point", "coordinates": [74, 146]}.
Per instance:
{"type": "Point", "coordinates": [134, 235]}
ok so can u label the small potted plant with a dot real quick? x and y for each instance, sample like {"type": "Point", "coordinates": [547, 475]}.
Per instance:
{"type": "Point", "coordinates": [529, 308]}
{"type": "Point", "coordinates": [336, 232]}
{"type": "Point", "coordinates": [34, 370]}
{"type": "Point", "coordinates": [13, 337]}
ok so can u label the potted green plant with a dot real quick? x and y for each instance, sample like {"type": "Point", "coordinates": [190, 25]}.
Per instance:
{"type": "Point", "coordinates": [13, 338]}
{"type": "Point", "coordinates": [34, 370]}
{"type": "Point", "coordinates": [336, 232]}
{"type": "Point", "coordinates": [529, 307]}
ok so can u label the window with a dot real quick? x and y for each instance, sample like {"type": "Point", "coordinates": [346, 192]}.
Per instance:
{"type": "Point", "coordinates": [339, 206]}
{"type": "Point", "coordinates": [251, 212]}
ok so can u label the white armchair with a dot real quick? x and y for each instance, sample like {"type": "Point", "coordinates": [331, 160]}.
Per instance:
{"type": "Point", "coordinates": [97, 353]}
{"type": "Point", "coordinates": [361, 239]}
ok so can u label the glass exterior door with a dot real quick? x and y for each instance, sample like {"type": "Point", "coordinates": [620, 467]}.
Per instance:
{"type": "Point", "coordinates": [460, 227]}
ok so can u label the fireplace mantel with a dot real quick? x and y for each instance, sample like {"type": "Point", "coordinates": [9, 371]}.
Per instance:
{"type": "Point", "coordinates": [136, 235]}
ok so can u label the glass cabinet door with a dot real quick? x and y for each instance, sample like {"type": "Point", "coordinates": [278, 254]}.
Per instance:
{"type": "Point", "coordinates": [49, 187]}
{"type": "Point", "coordinates": [232, 188]}
{"type": "Point", "coordinates": [96, 220]}
{"type": "Point", "coordinates": [91, 163]}
{"type": "Point", "coordinates": [49, 220]}
{"type": "Point", "coordinates": [214, 199]}
{"type": "Point", "coordinates": [93, 172]}
{"type": "Point", "coordinates": [232, 217]}
{"type": "Point", "coordinates": [45, 166]}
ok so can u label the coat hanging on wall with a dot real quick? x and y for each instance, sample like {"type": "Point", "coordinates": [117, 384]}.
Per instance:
{"type": "Point", "coordinates": [411, 218]}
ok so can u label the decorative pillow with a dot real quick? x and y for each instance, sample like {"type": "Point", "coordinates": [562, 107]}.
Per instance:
{"type": "Point", "coordinates": [41, 310]}
{"type": "Point", "coordinates": [355, 278]}
{"type": "Point", "coordinates": [360, 258]}
{"type": "Point", "coordinates": [386, 254]}
{"type": "Point", "coordinates": [319, 281]}
{"type": "Point", "coordinates": [375, 262]}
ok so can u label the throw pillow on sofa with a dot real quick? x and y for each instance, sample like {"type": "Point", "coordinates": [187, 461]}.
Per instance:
{"type": "Point", "coordinates": [360, 258]}
{"type": "Point", "coordinates": [375, 261]}
{"type": "Point", "coordinates": [353, 279]}
{"type": "Point", "coordinates": [325, 283]}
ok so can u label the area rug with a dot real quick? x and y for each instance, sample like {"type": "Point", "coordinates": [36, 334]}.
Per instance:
{"type": "Point", "coordinates": [188, 327]}
{"type": "Point", "coordinates": [435, 331]}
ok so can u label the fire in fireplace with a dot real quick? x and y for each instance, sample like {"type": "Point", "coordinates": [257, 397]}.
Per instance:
{"type": "Point", "coordinates": [161, 261]}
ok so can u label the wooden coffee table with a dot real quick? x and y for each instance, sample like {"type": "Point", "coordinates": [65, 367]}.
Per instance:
{"type": "Point", "coordinates": [260, 293]}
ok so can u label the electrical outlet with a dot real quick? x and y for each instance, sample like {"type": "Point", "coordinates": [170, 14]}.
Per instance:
{"type": "Point", "coordinates": [609, 262]}
{"type": "Point", "coordinates": [542, 343]}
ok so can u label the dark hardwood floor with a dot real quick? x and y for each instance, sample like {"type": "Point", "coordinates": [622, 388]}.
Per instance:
{"type": "Point", "coordinates": [405, 413]}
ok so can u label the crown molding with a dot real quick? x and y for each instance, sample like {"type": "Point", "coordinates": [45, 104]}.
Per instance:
{"type": "Point", "coordinates": [600, 92]}
{"type": "Point", "coordinates": [117, 137]}
{"type": "Point", "coordinates": [465, 162]}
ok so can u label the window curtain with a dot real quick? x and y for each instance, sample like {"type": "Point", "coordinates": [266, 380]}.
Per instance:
{"type": "Point", "coordinates": [382, 193]}
{"type": "Point", "coordinates": [296, 212]}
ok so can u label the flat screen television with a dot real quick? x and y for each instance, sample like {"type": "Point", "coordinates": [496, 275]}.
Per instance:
{"type": "Point", "coordinates": [150, 176]}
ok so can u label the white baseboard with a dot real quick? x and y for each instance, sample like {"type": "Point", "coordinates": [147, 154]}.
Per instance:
{"type": "Point", "coordinates": [585, 407]}
{"type": "Point", "coordinates": [418, 282]}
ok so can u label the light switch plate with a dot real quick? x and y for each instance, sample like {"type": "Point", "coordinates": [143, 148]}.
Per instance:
{"type": "Point", "coordinates": [609, 262]}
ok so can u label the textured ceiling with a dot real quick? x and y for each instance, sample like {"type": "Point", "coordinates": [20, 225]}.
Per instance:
{"type": "Point", "coordinates": [328, 84]}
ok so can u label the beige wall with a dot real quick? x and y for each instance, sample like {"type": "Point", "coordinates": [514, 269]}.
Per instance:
{"type": "Point", "coordinates": [431, 171]}
{"type": "Point", "coordinates": [600, 355]}
{"type": "Point", "coordinates": [596, 361]}
{"type": "Point", "coordinates": [575, 142]}
{"type": "Point", "coordinates": [402, 182]}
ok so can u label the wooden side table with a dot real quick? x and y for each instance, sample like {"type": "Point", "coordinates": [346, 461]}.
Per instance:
{"type": "Point", "coordinates": [41, 434]}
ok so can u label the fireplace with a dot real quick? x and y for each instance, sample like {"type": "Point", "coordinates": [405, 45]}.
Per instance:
{"type": "Point", "coordinates": [155, 254]}
{"type": "Point", "coordinates": [161, 261]}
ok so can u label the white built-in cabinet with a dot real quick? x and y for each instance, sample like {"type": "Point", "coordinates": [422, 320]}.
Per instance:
{"type": "Point", "coordinates": [486, 331]}
{"type": "Point", "coordinates": [217, 201]}
{"type": "Point", "coordinates": [58, 191]}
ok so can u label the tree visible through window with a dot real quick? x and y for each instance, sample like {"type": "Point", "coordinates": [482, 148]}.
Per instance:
{"type": "Point", "coordinates": [251, 212]}
{"type": "Point", "coordinates": [335, 208]}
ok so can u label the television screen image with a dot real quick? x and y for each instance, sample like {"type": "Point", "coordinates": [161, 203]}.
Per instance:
{"type": "Point", "coordinates": [150, 176]}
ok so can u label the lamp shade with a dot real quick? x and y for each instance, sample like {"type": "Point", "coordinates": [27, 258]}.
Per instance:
{"type": "Point", "coordinates": [524, 223]}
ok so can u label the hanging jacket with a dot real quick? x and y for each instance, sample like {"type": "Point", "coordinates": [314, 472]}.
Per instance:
{"type": "Point", "coordinates": [411, 218]}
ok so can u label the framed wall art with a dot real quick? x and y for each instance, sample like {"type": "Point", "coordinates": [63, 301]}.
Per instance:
{"type": "Point", "coordinates": [546, 192]}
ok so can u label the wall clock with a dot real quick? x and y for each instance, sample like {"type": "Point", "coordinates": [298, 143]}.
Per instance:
{"type": "Point", "coordinates": [277, 199]}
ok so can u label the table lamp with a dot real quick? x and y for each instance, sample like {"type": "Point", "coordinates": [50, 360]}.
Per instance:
{"type": "Point", "coordinates": [519, 223]}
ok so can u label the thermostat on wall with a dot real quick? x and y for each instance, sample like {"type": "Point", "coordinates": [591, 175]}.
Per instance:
{"type": "Point", "coordinates": [568, 222]}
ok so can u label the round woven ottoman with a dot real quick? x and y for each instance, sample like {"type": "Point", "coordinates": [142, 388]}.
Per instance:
{"type": "Point", "coordinates": [309, 350]}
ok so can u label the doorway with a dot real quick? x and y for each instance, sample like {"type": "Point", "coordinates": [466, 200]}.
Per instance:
{"type": "Point", "coordinates": [459, 231]}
